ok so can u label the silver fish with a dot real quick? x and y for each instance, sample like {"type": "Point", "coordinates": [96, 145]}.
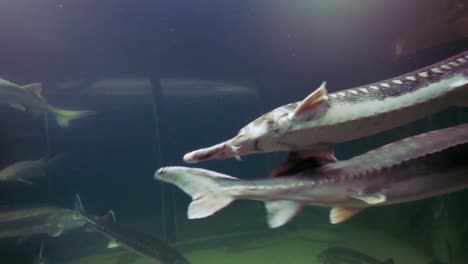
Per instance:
{"type": "Point", "coordinates": [414, 168]}
{"type": "Point", "coordinates": [45, 220]}
{"type": "Point", "coordinates": [23, 171]}
{"type": "Point", "coordinates": [29, 98]}
{"type": "Point", "coordinates": [135, 242]}
{"type": "Point", "coordinates": [313, 124]}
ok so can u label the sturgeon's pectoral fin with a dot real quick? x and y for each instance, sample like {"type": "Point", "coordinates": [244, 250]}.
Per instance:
{"type": "Point", "coordinates": [18, 107]}
{"type": "Point", "coordinates": [341, 214]}
{"type": "Point", "coordinates": [206, 206]}
{"type": "Point", "coordinates": [299, 161]}
{"type": "Point", "coordinates": [281, 211]}
{"type": "Point", "coordinates": [325, 154]}
{"type": "Point", "coordinates": [315, 98]}
{"type": "Point", "coordinates": [113, 244]}
{"type": "Point", "coordinates": [376, 198]}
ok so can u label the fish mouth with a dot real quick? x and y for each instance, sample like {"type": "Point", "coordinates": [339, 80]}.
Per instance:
{"type": "Point", "coordinates": [168, 173]}
{"type": "Point", "coordinates": [160, 172]}
{"type": "Point", "coordinates": [223, 150]}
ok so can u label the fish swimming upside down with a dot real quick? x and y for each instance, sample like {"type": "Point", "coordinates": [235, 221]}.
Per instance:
{"type": "Point", "coordinates": [411, 169]}
{"type": "Point", "coordinates": [313, 124]}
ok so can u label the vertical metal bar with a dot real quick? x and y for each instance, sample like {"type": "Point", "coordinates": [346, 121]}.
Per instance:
{"type": "Point", "coordinates": [156, 92]}
{"type": "Point", "coordinates": [169, 223]}
{"type": "Point", "coordinates": [47, 148]}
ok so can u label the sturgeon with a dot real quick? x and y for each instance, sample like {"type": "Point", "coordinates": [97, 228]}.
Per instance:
{"type": "Point", "coordinates": [24, 171]}
{"type": "Point", "coordinates": [411, 169]}
{"type": "Point", "coordinates": [29, 98]}
{"type": "Point", "coordinates": [313, 124]}
{"type": "Point", "coordinates": [24, 223]}
{"type": "Point", "coordinates": [135, 242]}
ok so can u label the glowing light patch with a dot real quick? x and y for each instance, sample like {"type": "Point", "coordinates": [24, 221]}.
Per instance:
{"type": "Point", "coordinates": [374, 87]}
{"type": "Point", "coordinates": [342, 94]}
{"type": "Point", "coordinates": [333, 95]}
{"type": "Point", "coordinates": [453, 64]}
{"type": "Point", "coordinates": [461, 60]}
{"type": "Point", "coordinates": [411, 78]}
{"type": "Point", "coordinates": [353, 92]}
{"type": "Point", "coordinates": [436, 70]}
{"type": "Point", "coordinates": [446, 67]}
{"type": "Point", "coordinates": [397, 81]}
{"type": "Point", "coordinates": [385, 85]}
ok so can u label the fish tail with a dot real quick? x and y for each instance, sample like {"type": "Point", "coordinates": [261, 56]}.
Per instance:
{"type": "Point", "coordinates": [203, 186]}
{"type": "Point", "coordinates": [64, 117]}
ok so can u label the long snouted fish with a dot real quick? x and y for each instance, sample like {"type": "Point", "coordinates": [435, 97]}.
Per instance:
{"type": "Point", "coordinates": [45, 220]}
{"type": "Point", "coordinates": [414, 168]}
{"type": "Point", "coordinates": [29, 98]}
{"type": "Point", "coordinates": [342, 255]}
{"type": "Point", "coordinates": [313, 124]}
{"type": "Point", "coordinates": [24, 171]}
{"type": "Point", "coordinates": [138, 243]}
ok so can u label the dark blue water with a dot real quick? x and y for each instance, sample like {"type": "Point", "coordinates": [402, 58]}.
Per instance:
{"type": "Point", "coordinates": [168, 77]}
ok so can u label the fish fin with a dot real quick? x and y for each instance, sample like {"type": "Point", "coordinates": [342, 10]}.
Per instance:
{"type": "Point", "coordinates": [376, 198]}
{"type": "Point", "coordinates": [63, 117]}
{"type": "Point", "coordinates": [18, 107]}
{"type": "Point", "coordinates": [323, 157]}
{"type": "Point", "coordinates": [36, 89]}
{"type": "Point", "coordinates": [299, 161]}
{"type": "Point", "coordinates": [316, 97]}
{"type": "Point", "coordinates": [24, 181]}
{"type": "Point", "coordinates": [279, 212]}
{"type": "Point", "coordinates": [341, 214]}
{"type": "Point", "coordinates": [79, 210]}
{"type": "Point", "coordinates": [204, 188]}
{"type": "Point", "coordinates": [54, 231]}
{"type": "Point", "coordinates": [109, 217]}
{"type": "Point", "coordinates": [113, 244]}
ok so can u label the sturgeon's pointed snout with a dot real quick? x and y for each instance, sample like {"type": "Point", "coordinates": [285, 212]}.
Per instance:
{"type": "Point", "coordinates": [220, 151]}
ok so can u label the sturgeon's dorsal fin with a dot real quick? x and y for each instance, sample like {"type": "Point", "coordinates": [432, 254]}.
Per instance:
{"type": "Point", "coordinates": [36, 89]}
{"type": "Point", "coordinates": [109, 217]}
{"type": "Point", "coordinates": [341, 214]}
{"type": "Point", "coordinates": [316, 97]}
{"type": "Point", "coordinates": [279, 212]}
{"type": "Point", "coordinates": [79, 210]}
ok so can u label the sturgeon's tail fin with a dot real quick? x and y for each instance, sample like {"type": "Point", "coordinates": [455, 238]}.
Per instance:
{"type": "Point", "coordinates": [63, 117]}
{"type": "Point", "coordinates": [203, 186]}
